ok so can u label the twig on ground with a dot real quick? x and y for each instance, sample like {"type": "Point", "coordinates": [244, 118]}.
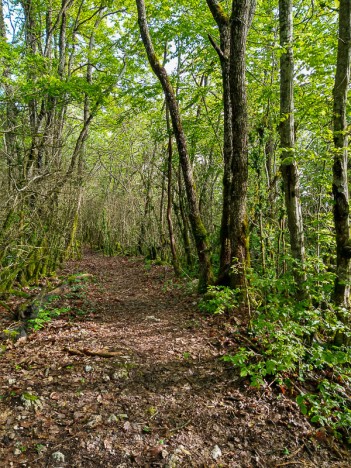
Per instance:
{"type": "Point", "coordinates": [290, 463]}
{"type": "Point", "coordinates": [178, 428]}
{"type": "Point", "coordinates": [294, 453]}
{"type": "Point", "coordinates": [98, 352]}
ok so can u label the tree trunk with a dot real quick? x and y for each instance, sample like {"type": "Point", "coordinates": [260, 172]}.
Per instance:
{"type": "Point", "coordinates": [223, 51]}
{"type": "Point", "coordinates": [242, 14]}
{"type": "Point", "coordinates": [10, 146]}
{"type": "Point", "coordinates": [172, 241]}
{"type": "Point", "coordinates": [287, 142]}
{"type": "Point", "coordinates": [340, 183]}
{"type": "Point", "coordinates": [198, 228]}
{"type": "Point", "coordinates": [184, 224]}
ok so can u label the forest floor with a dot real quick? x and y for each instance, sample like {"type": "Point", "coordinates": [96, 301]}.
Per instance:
{"type": "Point", "coordinates": [160, 395]}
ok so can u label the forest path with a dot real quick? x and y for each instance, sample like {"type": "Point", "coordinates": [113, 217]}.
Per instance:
{"type": "Point", "coordinates": [163, 399]}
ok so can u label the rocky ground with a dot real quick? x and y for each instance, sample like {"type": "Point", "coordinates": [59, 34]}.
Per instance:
{"type": "Point", "coordinates": [130, 375]}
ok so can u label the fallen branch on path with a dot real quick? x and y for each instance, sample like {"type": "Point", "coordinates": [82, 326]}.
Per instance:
{"type": "Point", "coordinates": [291, 463]}
{"type": "Point", "coordinates": [179, 428]}
{"type": "Point", "coordinates": [98, 352]}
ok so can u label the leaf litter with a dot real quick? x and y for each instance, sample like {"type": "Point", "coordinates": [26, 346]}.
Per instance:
{"type": "Point", "coordinates": [130, 375]}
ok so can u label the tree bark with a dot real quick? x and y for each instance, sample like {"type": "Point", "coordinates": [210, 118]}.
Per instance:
{"type": "Point", "coordinates": [223, 51]}
{"type": "Point", "coordinates": [172, 241]}
{"type": "Point", "coordinates": [241, 18]}
{"type": "Point", "coordinates": [198, 228]}
{"type": "Point", "coordinates": [10, 147]}
{"type": "Point", "coordinates": [340, 183]}
{"type": "Point", "coordinates": [289, 168]}
{"type": "Point", "coordinates": [184, 222]}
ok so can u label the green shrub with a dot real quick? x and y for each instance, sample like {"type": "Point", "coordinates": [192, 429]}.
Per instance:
{"type": "Point", "coordinates": [45, 315]}
{"type": "Point", "coordinates": [218, 299]}
{"type": "Point", "coordinates": [290, 342]}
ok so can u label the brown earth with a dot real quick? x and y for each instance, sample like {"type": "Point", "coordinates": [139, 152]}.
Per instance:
{"type": "Point", "coordinates": [160, 397]}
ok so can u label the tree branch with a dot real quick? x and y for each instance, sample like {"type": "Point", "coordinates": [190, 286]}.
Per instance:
{"type": "Point", "coordinates": [216, 47]}
{"type": "Point", "coordinates": [218, 13]}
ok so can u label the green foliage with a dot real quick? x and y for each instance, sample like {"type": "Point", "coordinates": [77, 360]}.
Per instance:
{"type": "Point", "coordinates": [290, 340]}
{"type": "Point", "coordinates": [11, 334]}
{"type": "Point", "coordinates": [30, 397]}
{"type": "Point", "coordinates": [39, 448]}
{"type": "Point", "coordinates": [330, 407]}
{"type": "Point", "coordinates": [218, 300]}
{"type": "Point", "coordinates": [44, 316]}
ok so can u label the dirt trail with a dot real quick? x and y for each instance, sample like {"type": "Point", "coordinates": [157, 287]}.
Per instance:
{"type": "Point", "coordinates": [163, 399]}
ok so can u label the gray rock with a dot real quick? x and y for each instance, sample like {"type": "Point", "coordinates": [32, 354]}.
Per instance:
{"type": "Point", "coordinates": [153, 318]}
{"type": "Point", "coordinates": [216, 452]}
{"type": "Point", "coordinates": [120, 374]}
{"type": "Point", "coordinates": [58, 457]}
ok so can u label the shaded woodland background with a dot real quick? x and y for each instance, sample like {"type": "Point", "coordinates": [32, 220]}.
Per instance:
{"type": "Point", "coordinates": [85, 139]}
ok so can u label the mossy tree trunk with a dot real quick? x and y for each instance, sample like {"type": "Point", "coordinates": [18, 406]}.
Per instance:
{"type": "Point", "coordinates": [287, 142]}
{"type": "Point", "coordinates": [184, 222]}
{"type": "Point", "coordinates": [241, 18]}
{"type": "Point", "coordinates": [233, 30]}
{"type": "Point", "coordinates": [340, 180]}
{"type": "Point", "coordinates": [223, 51]}
{"type": "Point", "coordinates": [175, 261]}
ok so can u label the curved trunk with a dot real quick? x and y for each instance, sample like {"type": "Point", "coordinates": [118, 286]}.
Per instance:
{"type": "Point", "coordinates": [198, 228]}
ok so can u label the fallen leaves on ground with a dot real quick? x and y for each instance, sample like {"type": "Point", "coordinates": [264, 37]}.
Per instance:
{"type": "Point", "coordinates": [131, 376]}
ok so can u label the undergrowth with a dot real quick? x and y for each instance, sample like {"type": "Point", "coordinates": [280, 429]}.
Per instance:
{"type": "Point", "coordinates": [51, 309]}
{"type": "Point", "coordinates": [44, 316]}
{"type": "Point", "coordinates": [289, 343]}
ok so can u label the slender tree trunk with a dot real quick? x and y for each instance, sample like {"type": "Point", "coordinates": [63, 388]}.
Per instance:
{"type": "Point", "coordinates": [145, 219]}
{"type": "Point", "coordinates": [162, 202]}
{"type": "Point", "coordinates": [287, 141]}
{"type": "Point", "coordinates": [34, 116]}
{"type": "Point", "coordinates": [184, 225]}
{"type": "Point", "coordinates": [172, 241]}
{"type": "Point", "coordinates": [340, 182]}
{"type": "Point", "coordinates": [242, 14]}
{"type": "Point", "coordinates": [10, 146]}
{"type": "Point", "coordinates": [198, 228]}
{"type": "Point", "coordinates": [223, 51]}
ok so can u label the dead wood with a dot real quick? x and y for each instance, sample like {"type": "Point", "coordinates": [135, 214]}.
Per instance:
{"type": "Point", "coordinates": [98, 352]}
